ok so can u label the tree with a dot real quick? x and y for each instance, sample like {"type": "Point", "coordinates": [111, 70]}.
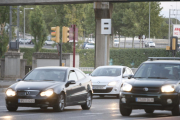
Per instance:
{"type": "Point", "coordinates": [4, 39]}
{"type": "Point", "coordinates": [38, 28]}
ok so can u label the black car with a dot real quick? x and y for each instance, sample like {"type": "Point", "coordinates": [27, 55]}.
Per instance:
{"type": "Point", "coordinates": [154, 86]}
{"type": "Point", "coordinates": [55, 87]}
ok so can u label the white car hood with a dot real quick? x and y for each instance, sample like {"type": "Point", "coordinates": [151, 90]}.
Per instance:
{"type": "Point", "coordinates": [104, 79]}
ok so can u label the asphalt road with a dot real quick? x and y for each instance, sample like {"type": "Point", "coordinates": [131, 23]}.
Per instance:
{"type": "Point", "coordinates": [102, 109]}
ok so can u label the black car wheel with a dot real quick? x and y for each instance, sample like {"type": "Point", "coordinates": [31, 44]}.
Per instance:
{"type": "Point", "coordinates": [88, 103]}
{"type": "Point", "coordinates": [124, 111]}
{"type": "Point", "coordinates": [149, 110]}
{"type": "Point", "coordinates": [60, 105]}
{"type": "Point", "coordinates": [176, 111]}
{"type": "Point", "coordinates": [12, 108]}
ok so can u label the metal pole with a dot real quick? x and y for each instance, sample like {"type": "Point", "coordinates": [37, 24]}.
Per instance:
{"type": "Point", "coordinates": [169, 26]}
{"type": "Point", "coordinates": [10, 24]}
{"type": "Point", "coordinates": [149, 19]}
{"type": "Point", "coordinates": [60, 50]}
{"type": "Point", "coordinates": [24, 28]}
{"type": "Point", "coordinates": [105, 53]}
{"type": "Point", "coordinates": [74, 27]}
{"type": "Point", "coordinates": [17, 42]}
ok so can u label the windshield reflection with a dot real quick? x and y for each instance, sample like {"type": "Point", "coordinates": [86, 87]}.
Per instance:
{"type": "Point", "coordinates": [106, 72]}
{"type": "Point", "coordinates": [158, 71]}
{"type": "Point", "coordinates": [46, 75]}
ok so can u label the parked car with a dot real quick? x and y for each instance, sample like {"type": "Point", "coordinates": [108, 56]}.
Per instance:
{"type": "Point", "coordinates": [89, 46]}
{"type": "Point", "coordinates": [154, 86]}
{"type": "Point", "coordinates": [84, 44]}
{"type": "Point", "coordinates": [150, 44]}
{"type": "Point", "coordinates": [49, 42]}
{"type": "Point", "coordinates": [55, 87]}
{"type": "Point", "coordinates": [107, 80]}
{"type": "Point", "coordinates": [22, 41]}
{"type": "Point", "coordinates": [30, 41]}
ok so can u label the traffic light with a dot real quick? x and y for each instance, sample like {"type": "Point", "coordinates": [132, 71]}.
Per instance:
{"type": "Point", "coordinates": [174, 43]}
{"type": "Point", "coordinates": [56, 34]}
{"type": "Point", "coordinates": [65, 34]}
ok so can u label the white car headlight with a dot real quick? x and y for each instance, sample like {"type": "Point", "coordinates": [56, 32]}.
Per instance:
{"type": "Point", "coordinates": [167, 88]}
{"type": "Point", "coordinates": [47, 93]}
{"type": "Point", "coordinates": [112, 83]}
{"type": "Point", "coordinates": [126, 87]}
{"type": "Point", "coordinates": [10, 92]}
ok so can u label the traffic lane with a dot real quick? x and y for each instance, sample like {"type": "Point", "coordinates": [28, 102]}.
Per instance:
{"type": "Point", "coordinates": [102, 109]}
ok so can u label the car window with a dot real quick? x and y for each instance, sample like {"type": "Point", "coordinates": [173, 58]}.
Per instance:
{"type": "Point", "coordinates": [159, 71]}
{"type": "Point", "coordinates": [46, 75]}
{"type": "Point", "coordinates": [80, 75]}
{"type": "Point", "coordinates": [72, 75]}
{"type": "Point", "coordinates": [107, 72]}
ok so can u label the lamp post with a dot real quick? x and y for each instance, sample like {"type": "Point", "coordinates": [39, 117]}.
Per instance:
{"type": "Point", "coordinates": [149, 18]}
{"type": "Point", "coordinates": [24, 24]}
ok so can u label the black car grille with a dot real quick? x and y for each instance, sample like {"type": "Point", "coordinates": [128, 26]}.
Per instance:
{"type": "Point", "coordinates": [107, 90]}
{"type": "Point", "coordinates": [142, 89]}
{"type": "Point", "coordinates": [28, 93]}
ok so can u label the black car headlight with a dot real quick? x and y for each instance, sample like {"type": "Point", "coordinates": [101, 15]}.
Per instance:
{"type": "Point", "coordinates": [126, 87]}
{"type": "Point", "coordinates": [167, 88]}
{"type": "Point", "coordinates": [10, 92]}
{"type": "Point", "coordinates": [47, 93]}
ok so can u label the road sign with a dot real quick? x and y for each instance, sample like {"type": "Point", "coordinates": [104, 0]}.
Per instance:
{"type": "Point", "coordinates": [176, 30]}
{"type": "Point", "coordinates": [106, 26]}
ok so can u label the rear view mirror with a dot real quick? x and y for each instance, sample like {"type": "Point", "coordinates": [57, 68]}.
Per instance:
{"type": "Point", "coordinates": [125, 75]}
{"type": "Point", "coordinates": [130, 76]}
{"type": "Point", "coordinates": [70, 82]}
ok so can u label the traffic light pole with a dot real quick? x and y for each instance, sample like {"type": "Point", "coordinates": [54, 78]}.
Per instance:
{"type": "Point", "coordinates": [60, 50]}
{"type": "Point", "coordinates": [74, 50]}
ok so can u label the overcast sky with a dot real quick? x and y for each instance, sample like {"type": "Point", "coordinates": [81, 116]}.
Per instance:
{"type": "Point", "coordinates": [170, 5]}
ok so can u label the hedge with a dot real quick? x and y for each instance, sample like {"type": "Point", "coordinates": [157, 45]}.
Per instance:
{"type": "Point", "coordinates": [126, 57]}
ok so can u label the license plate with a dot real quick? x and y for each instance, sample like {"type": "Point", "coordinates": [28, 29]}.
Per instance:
{"type": "Point", "coordinates": [144, 99]}
{"type": "Point", "coordinates": [26, 100]}
{"type": "Point", "coordinates": [99, 87]}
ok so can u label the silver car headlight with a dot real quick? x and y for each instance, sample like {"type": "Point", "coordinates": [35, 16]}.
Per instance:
{"type": "Point", "coordinates": [167, 88]}
{"type": "Point", "coordinates": [47, 93]}
{"type": "Point", "coordinates": [112, 83]}
{"type": "Point", "coordinates": [126, 87]}
{"type": "Point", "coordinates": [10, 92]}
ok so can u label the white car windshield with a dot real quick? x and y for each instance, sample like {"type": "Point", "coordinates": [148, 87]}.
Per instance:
{"type": "Point", "coordinates": [158, 71]}
{"type": "Point", "coordinates": [46, 75]}
{"type": "Point", "coordinates": [106, 72]}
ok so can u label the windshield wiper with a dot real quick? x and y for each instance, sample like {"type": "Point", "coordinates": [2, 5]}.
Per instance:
{"type": "Point", "coordinates": [47, 80]}
{"type": "Point", "coordinates": [159, 77]}
{"type": "Point", "coordinates": [139, 77]}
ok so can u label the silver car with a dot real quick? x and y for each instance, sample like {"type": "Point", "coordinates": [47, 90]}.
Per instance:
{"type": "Point", "coordinates": [107, 80]}
{"type": "Point", "coordinates": [89, 46]}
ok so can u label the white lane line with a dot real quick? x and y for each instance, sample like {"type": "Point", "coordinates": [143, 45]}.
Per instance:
{"type": "Point", "coordinates": [17, 115]}
{"type": "Point", "coordinates": [82, 116]}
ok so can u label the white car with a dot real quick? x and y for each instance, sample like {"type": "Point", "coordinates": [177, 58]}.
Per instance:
{"type": "Point", "coordinates": [89, 46]}
{"type": "Point", "coordinates": [150, 44]}
{"type": "Point", "coordinates": [22, 41]}
{"type": "Point", "coordinates": [49, 42]}
{"type": "Point", "coordinates": [107, 80]}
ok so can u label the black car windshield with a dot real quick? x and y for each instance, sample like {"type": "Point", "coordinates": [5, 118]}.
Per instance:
{"type": "Point", "coordinates": [158, 71]}
{"type": "Point", "coordinates": [106, 72]}
{"type": "Point", "coordinates": [46, 75]}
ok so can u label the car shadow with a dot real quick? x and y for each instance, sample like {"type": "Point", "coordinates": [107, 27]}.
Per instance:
{"type": "Point", "coordinates": [105, 97]}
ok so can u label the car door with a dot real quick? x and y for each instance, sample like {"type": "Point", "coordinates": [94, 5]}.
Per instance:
{"type": "Point", "coordinates": [72, 89]}
{"type": "Point", "coordinates": [82, 81]}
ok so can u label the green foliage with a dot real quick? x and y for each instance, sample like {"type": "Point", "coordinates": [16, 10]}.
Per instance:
{"type": "Point", "coordinates": [38, 28]}
{"type": "Point", "coordinates": [4, 40]}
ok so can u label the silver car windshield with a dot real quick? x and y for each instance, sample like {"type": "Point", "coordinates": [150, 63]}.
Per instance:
{"type": "Point", "coordinates": [46, 75]}
{"type": "Point", "coordinates": [106, 72]}
{"type": "Point", "coordinates": [158, 71]}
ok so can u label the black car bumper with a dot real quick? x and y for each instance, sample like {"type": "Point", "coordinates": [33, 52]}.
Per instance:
{"type": "Point", "coordinates": [129, 100]}
{"type": "Point", "coordinates": [39, 101]}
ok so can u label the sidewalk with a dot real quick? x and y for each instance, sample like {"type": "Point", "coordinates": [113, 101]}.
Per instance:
{"type": "Point", "coordinates": [5, 84]}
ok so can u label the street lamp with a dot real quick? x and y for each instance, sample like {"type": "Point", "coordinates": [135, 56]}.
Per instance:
{"type": "Point", "coordinates": [24, 23]}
